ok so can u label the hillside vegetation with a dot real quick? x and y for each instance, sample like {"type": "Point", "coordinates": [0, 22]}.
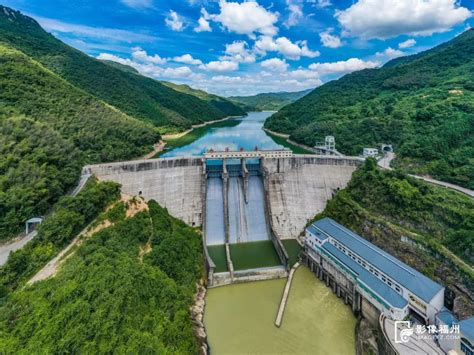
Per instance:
{"type": "Point", "coordinates": [268, 101]}
{"type": "Point", "coordinates": [128, 288]}
{"type": "Point", "coordinates": [48, 130]}
{"type": "Point", "coordinates": [135, 95]}
{"type": "Point", "coordinates": [221, 104]}
{"type": "Point", "coordinates": [423, 104]}
{"type": "Point", "coordinates": [430, 228]}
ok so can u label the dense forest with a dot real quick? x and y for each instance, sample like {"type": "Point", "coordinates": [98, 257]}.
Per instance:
{"type": "Point", "coordinates": [272, 101]}
{"type": "Point", "coordinates": [399, 213]}
{"type": "Point", "coordinates": [48, 130]}
{"type": "Point", "coordinates": [423, 104]}
{"type": "Point", "coordinates": [128, 288]}
{"type": "Point", "coordinates": [135, 95]}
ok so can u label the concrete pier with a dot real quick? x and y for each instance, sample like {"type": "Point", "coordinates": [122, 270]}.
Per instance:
{"type": "Point", "coordinates": [286, 293]}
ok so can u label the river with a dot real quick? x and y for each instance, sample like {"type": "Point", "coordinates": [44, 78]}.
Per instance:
{"type": "Point", "coordinates": [240, 318]}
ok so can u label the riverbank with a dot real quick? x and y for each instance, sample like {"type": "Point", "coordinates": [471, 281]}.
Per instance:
{"type": "Point", "coordinates": [305, 148]}
{"type": "Point", "coordinates": [173, 136]}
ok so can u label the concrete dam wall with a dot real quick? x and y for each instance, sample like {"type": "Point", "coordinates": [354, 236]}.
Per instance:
{"type": "Point", "coordinates": [175, 183]}
{"type": "Point", "coordinates": [298, 188]}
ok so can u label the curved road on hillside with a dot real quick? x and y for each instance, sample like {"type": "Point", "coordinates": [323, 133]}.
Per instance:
{"type": "Point", "coordinates": [384, 163]}
{"type": "Point", "coordinates": [21, 241]}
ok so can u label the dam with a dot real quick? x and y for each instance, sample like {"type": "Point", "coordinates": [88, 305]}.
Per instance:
{"type": "Point", "coordinates": [238, 198]}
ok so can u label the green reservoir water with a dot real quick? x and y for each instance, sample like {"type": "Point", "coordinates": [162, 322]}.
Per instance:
{"type": "Point", "coordinates": [240, 319]}
{"type": "Point", "coordinates": [245, 132]}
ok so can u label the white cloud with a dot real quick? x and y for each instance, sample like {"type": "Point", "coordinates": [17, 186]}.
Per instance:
{"type": "Point", "coordinates": [142, 56]}
{"type": "Point", "coordinates": [343, 66]}
{"type": "Point", "coordinates": [187, 59]}
{"type": "Point", "coordinates": [295, 8]}
{"type": "Point", "coordinates": [275, 64]}
{"type": "Point", "coordinates": [329, 40]}
{"type": "Point", "coordinates": [303, 74]}
{"type": "Point", "coordinates": [321, 4]}
{"type": "Point", "coordinates": [138, 4]}
{"type": "Point", "coordinates": [180, 72]}
{"type": "Point", "coordinates": [174, 21]}
{"type": "Point", "coordinates": [220, 66]}
{"type": "Point", "coordinates": [238, 51]}
{"type": "Point", "coordinates": [203, 22]}
{"type": "Point", "coordinates": [407, 44]}
{"type": "Point", "coordinates": [389, 18]}
{"type": "Point", "coordinates": [246, 18]}
{"type": "Point", "coordinates": [226, 79]}
{"type": "Point", "coordinates": [285, 47]}
{"type": "Point", "coordinates": [390, 53]}
{"type": "Point", "coordinates": [109, 34]}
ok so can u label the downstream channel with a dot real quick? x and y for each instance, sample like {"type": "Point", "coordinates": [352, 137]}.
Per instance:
{"type": "Point", "coordinates": [240, 318]}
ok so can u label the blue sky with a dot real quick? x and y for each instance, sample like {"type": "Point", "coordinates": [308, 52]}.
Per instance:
{"type": "Point", "coordinates": [238, 47]}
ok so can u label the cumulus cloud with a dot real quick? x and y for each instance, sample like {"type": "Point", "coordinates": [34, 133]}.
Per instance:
{"type": "Point", "coordinates": [390, 53]}
{"type": "Point", "coordinates": [187, 59]}
{"type": "Point", "coordinates": [407, 44]}
{"type": "Point", "coordinates": [140, 55]}
{"type": "Point", "coordinates": [343, 66]}
{"type": "Point", "coordinates": [174, 21]}
{"type": "Point", "coordinates": [295, 9]}
{"type": "Point", "coordinates": [238, 51]}
{"type": "Point", "coordinates": [246, 18]}
{"type": "Point", "coordinates": [275, 64]}
{"type": "Point", "coordinates": [180, 72]}
{"type": "Point", "coordinates": [303, 74]}
{"type": "Point", "coordinates": [329, 40]}
{"type": "Point", "coordinates": [220, 66]}
{"type": "Point", "coordinates": [285, 47]}
{"type": "Point", "coordinates": [226, 79]}
{"type": "Point", "coordinates": [203, 22]}
{"type": "Point", "coordinates": [389, 18]}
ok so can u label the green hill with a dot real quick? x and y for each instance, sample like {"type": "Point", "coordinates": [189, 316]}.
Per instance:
{"type": "Point", "coordinates": [48, 130]}
{"type": "Point", "coordinates": [268, 101]}
{"type": "Point", "coordinates": [123, 67]}
{"type": "Point", "coordinates": [135, 95]}
{"type": "Point", "coordinates": [423, 104]}
{"type": "Point", "coordinates": [215, 101]}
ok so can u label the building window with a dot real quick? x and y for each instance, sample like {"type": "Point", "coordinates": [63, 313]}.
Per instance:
{"type": "Point", "coordinates": [376, 273]}
{"type": "Point", "coordinates": [397, 288]}
{"type": "Point", "coordinates": [384, 279]}
{"type": "Point", "coordinates": [389, 283]}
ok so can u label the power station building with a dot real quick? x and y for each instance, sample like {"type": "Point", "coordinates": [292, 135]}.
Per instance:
{"type": "Point", "coordinates": [361, 272]}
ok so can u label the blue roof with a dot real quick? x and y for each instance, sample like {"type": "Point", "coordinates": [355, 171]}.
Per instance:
{"type": "Point", "coordinates": [379, 287]}
{"type": "Point", "coordinates": [467, 328]}
{"type": "Point", "coordinates": [420, 285]}
{"type": "Point", "coordinates": [317, 233]}
{"type": "Point", "coordinates": [447, 317]}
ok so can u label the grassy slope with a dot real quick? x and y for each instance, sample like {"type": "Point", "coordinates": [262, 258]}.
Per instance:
{"type": "Point", "coordinates": [48, 130]}
{"type": "Point", "coordinates": [136, 95]}
{"type": "Point", "coordinates": [385, 206]}
{"type": "Point", "coordinates": [269, 101]}
{"type": "Point", "coordinates": [106, 299]}
{"type": "Point", "coordinates": [408, 103]}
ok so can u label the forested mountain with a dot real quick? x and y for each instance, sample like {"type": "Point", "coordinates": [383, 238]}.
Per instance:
{"type": "Point", "coordinates": [218, 102]}
{"type": "Point", "coordinates": [127, 289]}
{"type": "Point", "coordinates": [48, 130]}
{"type": "Point", "coordinates": [135, 95]}
{"type": "Point", "coordinates": [269, 101]}
{"type": "Point", "coordinates": [423, 104]}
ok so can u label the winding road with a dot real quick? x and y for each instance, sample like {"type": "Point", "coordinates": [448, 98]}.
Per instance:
{"type": "Point", "coordinates": [384, 163]}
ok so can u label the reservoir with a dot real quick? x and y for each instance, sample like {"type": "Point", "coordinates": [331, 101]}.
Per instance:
{"type": "Point", "coordinates": [240, 318]}
{"type": "Point", "coordinates": [244, 132]}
